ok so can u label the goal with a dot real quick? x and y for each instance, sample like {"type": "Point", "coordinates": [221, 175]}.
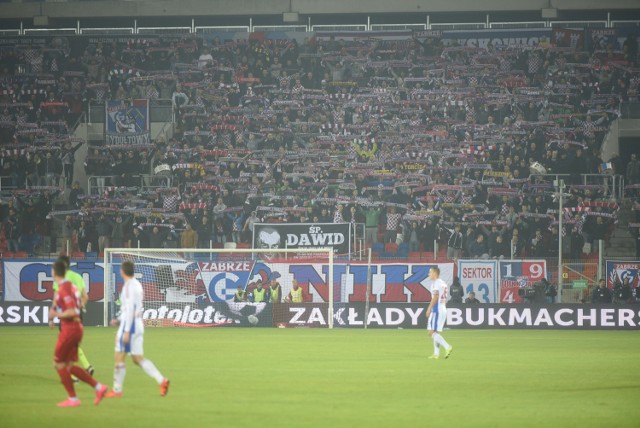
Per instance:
{"type": "Point", "coordinates": [226, 287]}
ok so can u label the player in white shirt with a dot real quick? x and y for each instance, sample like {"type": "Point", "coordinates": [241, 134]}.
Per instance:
{"type": "Point", "coordinates": [437, 314]}
{"type": "Point", "coordinates": [131, 334]}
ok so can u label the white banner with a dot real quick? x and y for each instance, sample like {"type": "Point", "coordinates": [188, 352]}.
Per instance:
{"type": "Point", "coordinates": [480, 277]}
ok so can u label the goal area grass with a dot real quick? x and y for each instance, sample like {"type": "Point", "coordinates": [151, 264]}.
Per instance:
{"type": "Point", "coordinates": [251, 377]}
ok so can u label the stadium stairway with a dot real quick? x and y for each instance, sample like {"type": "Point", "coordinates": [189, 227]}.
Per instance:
{"type": "Point", "coordinates": [622, 243]}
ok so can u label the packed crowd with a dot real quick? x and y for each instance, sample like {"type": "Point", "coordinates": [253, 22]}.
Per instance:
{"type": "Point", "coordinates": [417, 139]}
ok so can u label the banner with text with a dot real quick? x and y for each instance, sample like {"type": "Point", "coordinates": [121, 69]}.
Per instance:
{"type": "Point", "coordinates": [618, 271]}
{"type": "Point", "coordinates": [568, 316]}
{"type": "Point", "coordinates": [31, 280]}
{"type": "Point", "coordinates": [34, 313]}
{"type": "Point", "coordinates": [515, 274]}
{"type": "Point", "coordinates": [303, 236]}
{"type": "Point", "coordinates": [480, 277]}
{"type": "Point", "coordinates": [127, 122]}
{"type": "Point", "coordinates": [200, 283]}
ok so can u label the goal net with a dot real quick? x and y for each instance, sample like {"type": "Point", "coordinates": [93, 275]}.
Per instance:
{"type": "Point", "coordinates": [225, 287]}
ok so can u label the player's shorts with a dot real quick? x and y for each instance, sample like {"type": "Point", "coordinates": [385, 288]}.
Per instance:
{"type": "Point", "coordinates": [436, 321]}
{"type": "Point", "coordinates": [67, 345]}
{"type": "Point", "coordinates": [136, 338]}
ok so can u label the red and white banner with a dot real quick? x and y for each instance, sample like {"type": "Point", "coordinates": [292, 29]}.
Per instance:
{"type": "Point", "coordinates": [516, 274]}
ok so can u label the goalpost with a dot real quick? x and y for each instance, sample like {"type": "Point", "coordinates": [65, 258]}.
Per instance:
{"type": "Point", "coordinates": [197, 287]}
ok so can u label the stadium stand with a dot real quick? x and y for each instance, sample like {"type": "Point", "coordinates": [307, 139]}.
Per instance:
{"type": "Point", "coordinates": [431, 135]}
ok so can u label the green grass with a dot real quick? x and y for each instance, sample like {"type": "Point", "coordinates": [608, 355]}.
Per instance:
{"type": "Point", "coordinates": [339, 378]}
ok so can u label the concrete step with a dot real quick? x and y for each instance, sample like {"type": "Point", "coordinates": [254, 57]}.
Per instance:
{"type": "Point", "coordinates": [622, 243]}
{"type": "Point", "coordinates": [619, 252]}
{"type": "Point", "coordinates": [622, 234]}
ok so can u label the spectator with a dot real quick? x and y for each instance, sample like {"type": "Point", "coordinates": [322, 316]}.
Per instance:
{"type": "Point", "coordinates": [240, 295]}
{"type": "Point", "coordinates": [156, 238]}
{"type": "Point", "coordinates": [296, 295]}
{"type": "Point", "coordinates": [204, 233]}
{"type": "Point", "coordinates": [471, 299]}
{"type": "Point", "coordinates": [633, 170]}
{"type": "Point", "coordinates": [220, 231]}
{"type": "Point", "coordinates": [602, 294]}
{"type": "Point", "coordinates": [260, 294]}
{"type": "Point", "coordinates": [275, 293]}
{"type": "Point", "coordinates": [189, 238]}
{"type": "Point", "coordinates": [454, 243]}
{"type": "Point", "coordinates": [550, 291]}
{"type": "Point", "coordinates": [218, 210]}
{"type": "Point", "coordinates": [456, 292]}
{"type": "Point", "coordinates": [478, 248]}
{"type": "Point", "coordinates": [393, 222]}
{"type": "Point", "coordinates": [372, 220]}
{"type": "Point", "coordinates": [622, 292]}
{"type": "Point", "coordinates": [248, 226]}
{"type": "Point", "coordinates": [118, 231]}
{"type": "Point", "coordinates": [138, 238]}
{"type": "Point", "coordinates": [13, 231]}
{"type": "Point", "coordinates": [104, 230]}
{"type": "Point", "coordinates": [237, 222]}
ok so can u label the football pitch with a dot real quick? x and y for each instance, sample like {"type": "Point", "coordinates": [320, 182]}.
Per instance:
{"type": "Point", "coordinates": [335, 378]}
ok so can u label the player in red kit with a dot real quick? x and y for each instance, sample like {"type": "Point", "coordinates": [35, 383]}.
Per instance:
{"type": "Point", "coordinates": [67, 309]}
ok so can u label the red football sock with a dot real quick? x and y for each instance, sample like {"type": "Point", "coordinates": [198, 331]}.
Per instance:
{"type": "Point", "coordinates": [83, 375]}
{"type": "Point", "coordinates": [65, 378]}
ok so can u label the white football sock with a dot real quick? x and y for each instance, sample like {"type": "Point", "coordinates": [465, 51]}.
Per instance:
{"type": "Point", "coordinates": [436, 348]}
{"type": "Point", "coordinates": [440, 340]}
{"type": "Point", "coordinates": [150, 369]}
{"type": "Point", "coordinates": [119, 373]}
{"type": "Point", "coordinates": [98, 386]}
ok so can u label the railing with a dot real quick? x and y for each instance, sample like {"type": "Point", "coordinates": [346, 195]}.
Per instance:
{"type": "Point", "coordinates": [516, 25]}
{"type": "Point", "coordinates": [579, 24]}
{"type": "Point", "coordinates": [459, 26]}
{"type": "Point", "coordinates": [322, 27]}
{"type": "Point", "coordinates": [150, 182]}
{"type": "Point", "coordinates": [108, 31]}
{"type": "Point", "coordinates": [163, 30]}
{"type": "Point", "coordinates": [625, 23]}
{"type": "Point", "coordinates": [97, 183]}
{"type": "Point", "coordinates": [8, 183]}
{"type": "Point", "coordinates": [230, 29]}
{"type": "Point", "coordinates": [613, 184]}
{"type": "Point", "coordinates": [77, 123]}
{"type": "Point", "coordinates": [397, 27]}
{"type": "Point", "coordinates": [353, 27]}
{"type": "Point", "coordinates": [266, 28]}
{"type": "Point", "coordinates": [49, 31]}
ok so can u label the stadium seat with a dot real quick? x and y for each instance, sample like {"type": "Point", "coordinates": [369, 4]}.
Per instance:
{"type": "Point", "coordinates": [77, 256]}
{"type": "Point", "coordinates": [403, 250]}
{"type": "Point", "coordinates": [230, 246]}
{"type": "Point", "coordinates": [378, 247]}
{"type": "Point", "coordinates": [414, 255]}
{"type": "Point", "coordinates": [92, 255]}
{"type": "Point", "coordinates": [243, 245]}
{"type": "Point", "coordinates": [391, 247]}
